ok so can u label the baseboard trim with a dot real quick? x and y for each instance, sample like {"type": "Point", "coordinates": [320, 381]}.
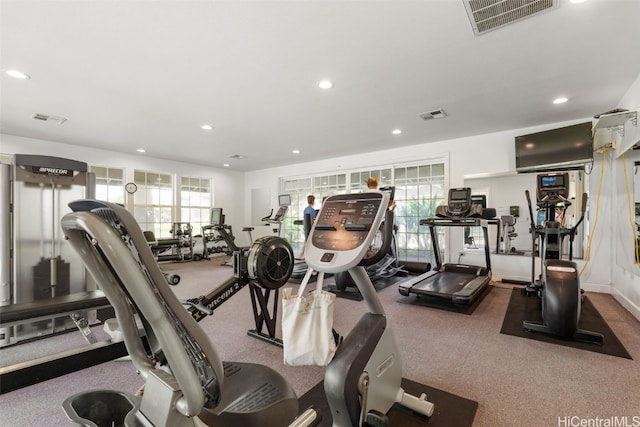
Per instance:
{"type": "Point", "coordinates": [626, 303]}
{"type": "Point", "coordinates": [596, 287]}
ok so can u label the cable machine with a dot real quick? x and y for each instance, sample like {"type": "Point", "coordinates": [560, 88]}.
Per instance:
{"type": "Point", "coordinates": [37, 264]}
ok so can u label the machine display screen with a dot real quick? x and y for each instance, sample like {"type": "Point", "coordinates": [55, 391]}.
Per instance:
{"type": "Point", "coordinates": [553, 185]}
{"type": "Point", "coordinates": [457, 195]}
{"type": "Point", "coordinates": [216, 216]}
{"type": "Point", "coordinates": [343, 225]}
{"type": "Point", "coordinates": [552, 181]}
{"type": "Point", "coordinates": [284, 200]}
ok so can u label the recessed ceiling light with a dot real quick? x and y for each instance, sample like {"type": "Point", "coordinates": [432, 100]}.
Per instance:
{"type": "Point", "coordinates": [325, 84]}
{"type": "Point", "coordinates": [207, 127]}
{"type": "Point", "coordinates": [141, 150]}
{"type": "Point", "coordinates": [17, 74]}
{"type": "Point", "coordinates": [295, 151]}
{"type": "Point", "coordinates": [560, 100]}
{"type": "Point", "coordinates": [226, 165]}
{"type": "Point", "coordinates": [396, 131]}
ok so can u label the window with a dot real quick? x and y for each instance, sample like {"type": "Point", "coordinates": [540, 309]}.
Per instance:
{"type": "Point", "coordinates": [320, 186]}
{"type": "Point", "coordinates": [359, 179]}
{"type": "Point", "coordinates": [109, 183]}
{"type": "Point", "coordinates": [195, 202]}
{"type": "Point", "coordinates": [154, 202]}
{"type": "Point", "coordinates": [419, 190]}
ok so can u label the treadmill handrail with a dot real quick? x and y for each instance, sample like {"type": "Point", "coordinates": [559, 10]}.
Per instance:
{"type": "Point", "coordinates": [432, 223]}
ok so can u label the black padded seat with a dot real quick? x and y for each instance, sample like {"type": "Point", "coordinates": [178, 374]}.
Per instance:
{"type": "Point", "coordinates": [253, 395]}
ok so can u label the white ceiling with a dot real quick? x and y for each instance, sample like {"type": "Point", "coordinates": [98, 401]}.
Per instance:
{"type": "Point", "coordinates": [147, 74]}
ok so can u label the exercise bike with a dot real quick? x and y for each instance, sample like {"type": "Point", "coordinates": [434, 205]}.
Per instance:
{"type": "Point", "coordinates": [362, 381]}
{"type": "Point", "coordinates": [559, 284]}
{"type": "Point", "coordinates": [186, 383]}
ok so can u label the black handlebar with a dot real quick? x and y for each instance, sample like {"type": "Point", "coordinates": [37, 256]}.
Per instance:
{"type": "Point", "coordinates": [585, 200]}
{"type": "Point", "coordinates": [533, 223]}
{"type": "Point", "coordinates": [387, 233]}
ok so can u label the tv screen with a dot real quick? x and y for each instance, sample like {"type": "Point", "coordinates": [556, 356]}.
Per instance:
{"type": "Point", "coordinates": [216, 216]}
{"type": "Point", "coordinates": [564, 148]}
{"type": "Point", "coordinates": [284, 200]}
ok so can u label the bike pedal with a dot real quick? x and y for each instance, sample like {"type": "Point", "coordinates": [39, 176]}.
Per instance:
{"type": "Point", "coordinates": [376, 419]}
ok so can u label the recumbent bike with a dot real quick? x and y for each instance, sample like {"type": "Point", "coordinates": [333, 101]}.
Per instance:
{"type": "Point", "coordinates": [186, 383]}
{"type": "Point", "coordinates": [362, 382]}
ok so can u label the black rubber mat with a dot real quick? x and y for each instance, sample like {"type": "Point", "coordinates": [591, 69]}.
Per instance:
{"type": "Point", "coordinates": [445, 304]}
{"type": "Point", "coordinates": [522, 307]}
{"type": "Point", "coordinates": [450, 410]}
{"type": "Point", "coordinates": [353, 293]}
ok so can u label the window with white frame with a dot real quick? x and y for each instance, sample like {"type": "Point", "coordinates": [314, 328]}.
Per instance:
{"type": "Point", "coordinates": [420, 188]}
{"type": "Point", "coordinates": [154, 202]}
{"type": "Point", "coordinates": [109, 183]}
{"type": "Point", "coordinates": [359, 179]}
{"type": "Point", "coordinates": [320, 186]}
{"type": "Point", "coordinates": [196, 202]}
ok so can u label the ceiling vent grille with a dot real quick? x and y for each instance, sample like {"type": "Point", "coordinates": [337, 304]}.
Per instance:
{"type": "Point", "coordinates": [45, 118]}
{"type": "Point", "coordinates": [434, 114]}
{"type": "Point", "coordinates": [487, 15]}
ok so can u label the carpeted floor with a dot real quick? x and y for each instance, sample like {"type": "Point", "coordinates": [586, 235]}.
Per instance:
{"type": "Point", "coordinates": [515, 381]}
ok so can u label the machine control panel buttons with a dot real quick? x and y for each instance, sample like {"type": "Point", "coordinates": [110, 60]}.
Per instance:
{"type": "Point", "coordinates": [327, 257]}
{"type": "Point", "coordinates": [344, 224]}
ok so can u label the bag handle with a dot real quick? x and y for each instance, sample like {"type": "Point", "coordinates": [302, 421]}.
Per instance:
{"type": "Point", "coordinates": [306, 279]}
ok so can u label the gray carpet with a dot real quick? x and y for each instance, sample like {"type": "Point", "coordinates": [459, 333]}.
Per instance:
{"type": "Point", "coordinates": [515, 381]}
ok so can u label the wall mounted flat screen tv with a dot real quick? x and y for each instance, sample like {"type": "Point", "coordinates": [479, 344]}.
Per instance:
{"type": "Point", "coordinates": [564, 148]}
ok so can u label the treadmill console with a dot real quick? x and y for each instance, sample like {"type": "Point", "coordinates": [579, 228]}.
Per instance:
{"type": "Point", "coordinates": [553, 186]}
{"type": "Point", "coordinates": [459, 203]}
{"type": "Point", "coordinates": [344, 229]}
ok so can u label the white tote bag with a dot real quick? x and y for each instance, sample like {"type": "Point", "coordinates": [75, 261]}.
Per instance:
{"type": "Point", "coordinates": [307, 325]}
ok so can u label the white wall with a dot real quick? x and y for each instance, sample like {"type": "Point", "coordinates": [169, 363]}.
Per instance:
{"type": "Point", "coordinates": [227, 185]}
{"type": "Point", "coordinates": [625, 275]}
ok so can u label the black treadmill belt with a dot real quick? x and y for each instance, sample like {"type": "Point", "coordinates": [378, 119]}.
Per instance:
{"type": "Point", "coordinates": [443, 284]}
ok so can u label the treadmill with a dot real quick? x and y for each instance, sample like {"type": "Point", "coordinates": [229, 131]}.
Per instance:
{"type": "Point", "coordinates": [460, 284]}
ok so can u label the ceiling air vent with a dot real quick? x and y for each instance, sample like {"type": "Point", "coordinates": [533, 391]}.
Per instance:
{"type": "Point", "coordinates": [57, 119]}
{"type": "Point", "coordinates": [434, 114]}
{"type": "Point", "coordinates": [237, 156]}
{"type": "Point", "coordinates": [487, 15]}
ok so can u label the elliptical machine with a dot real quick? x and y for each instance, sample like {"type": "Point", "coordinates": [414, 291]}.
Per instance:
{"type": "Point", "coordinates": [559, 284]}
{"type": "Point", "coordinates": [363, 380]}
